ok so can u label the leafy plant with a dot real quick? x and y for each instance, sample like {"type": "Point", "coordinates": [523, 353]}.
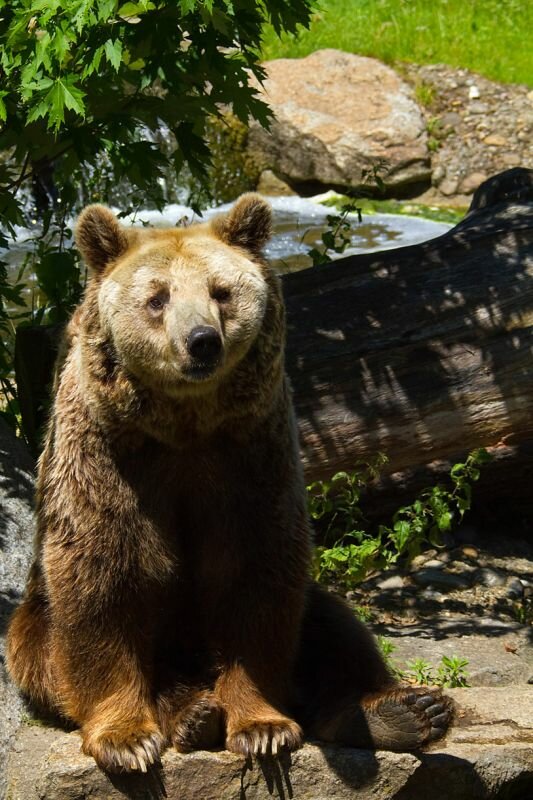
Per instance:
{"type": "Point", "coordinates": [420, 671]}
{"type": "Point", "coordinates": [350, 550]}
{"type": "Point", "coordinates": [523, 611]}
{"type": "Point", "coordinates": [451, 673]}
{"type": "Point", "coordinates": [338, 234]}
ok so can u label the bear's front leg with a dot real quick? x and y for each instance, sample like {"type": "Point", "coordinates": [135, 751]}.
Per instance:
{"type": "Point", "coordinates": [102, 632]}
{"type": "Point", "coordinates": [256, 641]}
{"type": "Point", "coordinates": [104, 688]}
{"type": "Point", "coordinates": [103, 666]}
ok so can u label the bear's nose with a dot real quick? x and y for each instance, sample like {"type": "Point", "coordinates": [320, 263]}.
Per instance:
{"type": "Point", "coordinates": [204, 343]}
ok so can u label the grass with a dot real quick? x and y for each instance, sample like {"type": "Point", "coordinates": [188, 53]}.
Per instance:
{"type": "Point", "coordinates": [491, 37]}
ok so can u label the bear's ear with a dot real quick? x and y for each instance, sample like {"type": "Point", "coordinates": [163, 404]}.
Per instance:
{"type": "Point", "coordinates": [100, 237]}
{"type": "Point", "coordinates": [248, 224]}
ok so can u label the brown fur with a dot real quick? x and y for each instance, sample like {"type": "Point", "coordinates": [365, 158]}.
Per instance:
{"type": "Point", "coordinates": [169, 600]}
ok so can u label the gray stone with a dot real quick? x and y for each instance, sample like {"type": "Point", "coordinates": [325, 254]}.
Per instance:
{"type": "Point", "coordinates": [439, 579]}
{"type": "Point", "coordinates": [434, 563]}
{"type": "Point", "coordinates": [488, 753]}
{"type": "Point", "coordinates": [472, 182]}
{"type": "Point", "coordinates": [337, 114]}
{"type": "Point", "coordinates": [449, 186]}
{"type": "Point", "coordinates": [514, 588]}
{"type": "Point", "coordinates": [394, 582]}
{"type": "Point", "coordinates": [16, 537]}
{"type": "Point", "coordinates": [489, 577]}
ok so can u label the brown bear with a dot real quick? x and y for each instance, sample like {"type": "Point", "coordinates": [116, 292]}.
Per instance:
{"type": "Point", "coordinates": [170, 598]}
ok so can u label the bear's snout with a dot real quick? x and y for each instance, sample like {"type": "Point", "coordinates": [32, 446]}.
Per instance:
{"type": "Point", "coordinates": [204, 344]}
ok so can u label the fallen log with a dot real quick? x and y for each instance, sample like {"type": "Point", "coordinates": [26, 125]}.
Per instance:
{"type": "Point", "coordinates": [425, 352]}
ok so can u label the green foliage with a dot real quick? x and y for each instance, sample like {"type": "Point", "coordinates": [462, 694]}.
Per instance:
{"type": "Point", "coordinates": [523, 611]}
{"type": "Point", "coordinates": [350, 550]}
{"type": "Point", "coordinates": [450, 673]}
{"type": "Point", "coordinates": [492, 37]}
{"type": "Point", "coordinates": [338, 235]}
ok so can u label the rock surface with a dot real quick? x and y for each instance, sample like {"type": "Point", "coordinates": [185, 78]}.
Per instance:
{"type": "Point", "coordinates": [477, 127]}
{"type": "Point", "coordinates": [487, 754]}
{"type": "Point", "coordinates": [16, 533]}
{"type": "Point", "coordinates": [337, 114]}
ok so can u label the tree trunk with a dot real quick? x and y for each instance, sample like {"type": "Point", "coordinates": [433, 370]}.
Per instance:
{"type": "Point", "coordinates": [424, 352]}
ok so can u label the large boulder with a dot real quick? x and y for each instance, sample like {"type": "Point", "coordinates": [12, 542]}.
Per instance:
{"type": "Point", "coordinates": [16, 535]}
{"type": "Point", "coordinates": [338, 114]}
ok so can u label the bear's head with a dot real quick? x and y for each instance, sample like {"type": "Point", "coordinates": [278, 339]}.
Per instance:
{"type": "Point", "coordinates": [181, 308]}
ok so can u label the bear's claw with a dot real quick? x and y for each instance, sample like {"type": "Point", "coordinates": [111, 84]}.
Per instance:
{"type": "Point", "coordinates": [261, 738]}
{"type": "Point", "coordinates": [133, 752]}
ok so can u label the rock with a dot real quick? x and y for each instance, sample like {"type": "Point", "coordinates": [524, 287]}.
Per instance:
{"type": "Point", "coordinates": [471, 182]}
{"type": "Point", "coordinates": [438, 175]}
{"type": "Point", "coordinates": [270, 185]}
{"type": "Point", "coordinates": [337, 114]}
{"type": "Point", "coordinates": [434, 563]}
{"type": "Point", "coordinates": [439, 579]}
{"type": "Point", "coordinates": [469, 552]}
{"type": "Point", "coordinates": [494, 140]}
{"type": "Point", "coordinates": [16, 537]}
{"type": "Point", "coordinates": [473, 93]}
{"type": "Point", "coordinates": [487, 754]}
{"type": "Point", "coordinates": [449, 186]}
{"type": "Point", "coordinates": [489, 577]}
{"type": "Point", "coordinates": [514, 588]}
{"type": "Point", "coordinates": [511, 159]}
{"type": "Point", "coordinates": [478, 108]}
{"type": "Point", "coordinates": [394, 582]}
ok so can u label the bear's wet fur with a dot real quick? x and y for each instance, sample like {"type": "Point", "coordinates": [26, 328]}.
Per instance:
{"type": "Point", "coordinates": [170, 599]}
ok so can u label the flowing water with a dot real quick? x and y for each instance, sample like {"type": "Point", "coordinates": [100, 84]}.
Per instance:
{"type": "Point", "coordinates": [298, 226]}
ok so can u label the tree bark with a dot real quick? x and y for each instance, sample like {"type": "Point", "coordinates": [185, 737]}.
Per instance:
{"type": "Point", "coordinates": [425, 352]}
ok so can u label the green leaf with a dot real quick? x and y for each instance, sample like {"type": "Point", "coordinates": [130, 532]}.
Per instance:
{"type": "Point", "coordinates": [3, 109]}
{"type": "Point", "coordinates": [64, 94]}
{"type": "Point", "coordinates": [113, 52]}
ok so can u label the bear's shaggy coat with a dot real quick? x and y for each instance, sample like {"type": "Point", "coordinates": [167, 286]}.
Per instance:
{"type": "Point", "coordinates": [169, 600]}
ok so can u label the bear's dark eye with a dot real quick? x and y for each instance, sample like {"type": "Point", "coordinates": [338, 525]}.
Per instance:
{"type": "Point", "coordinates": [157, 303]}
{"type": "Point", "coordinates": [220, 294]}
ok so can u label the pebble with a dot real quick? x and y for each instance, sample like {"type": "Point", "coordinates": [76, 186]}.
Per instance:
{"type": "Point", "coordinates": [394, 582]}
{"type": "Point", "coordinates": [434, 563]}
{"type": "Point", "coordinates": [449, 187]}
{"type": "Point", "coordinates": [489, 577]}
{"type": "Point", "coordinates": [495, 140]}
{"type": "Point", "coordinates": [438, 579]}
{"type": "Point", "coordinates": [471, 182]}
{"type": "Point", "coordinates": [469, 552]}
{"type": "Point", "coordinates": [478, 108]}
{"type": "Point", "coordinates": [473, 92]}
{"type": "Point", "coordinates": [515, 590]}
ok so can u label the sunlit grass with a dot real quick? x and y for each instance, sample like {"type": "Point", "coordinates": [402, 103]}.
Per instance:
{"type": "Point", "coordinates": [492, 37]}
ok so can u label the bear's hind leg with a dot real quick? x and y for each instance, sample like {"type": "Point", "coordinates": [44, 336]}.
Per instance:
{"type": "Point", "coordinates": [189, 716]}
{"type": "Point", "coordinates": [29, 657]}
{"type": "Point", "coordinates": [346, 692]}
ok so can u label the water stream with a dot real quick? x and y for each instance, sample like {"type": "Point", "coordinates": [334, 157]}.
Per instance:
{"type": "Point", "coordinates": [298, 226]}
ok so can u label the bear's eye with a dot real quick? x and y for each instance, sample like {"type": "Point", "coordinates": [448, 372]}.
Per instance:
{"type": "Point", "coordinates": [157, 303]}
{"type": "Point", "coordinates": [220, 294]}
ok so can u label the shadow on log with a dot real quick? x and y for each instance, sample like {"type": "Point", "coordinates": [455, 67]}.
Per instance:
{"type": "Point", "coordinates": [425, 352]}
